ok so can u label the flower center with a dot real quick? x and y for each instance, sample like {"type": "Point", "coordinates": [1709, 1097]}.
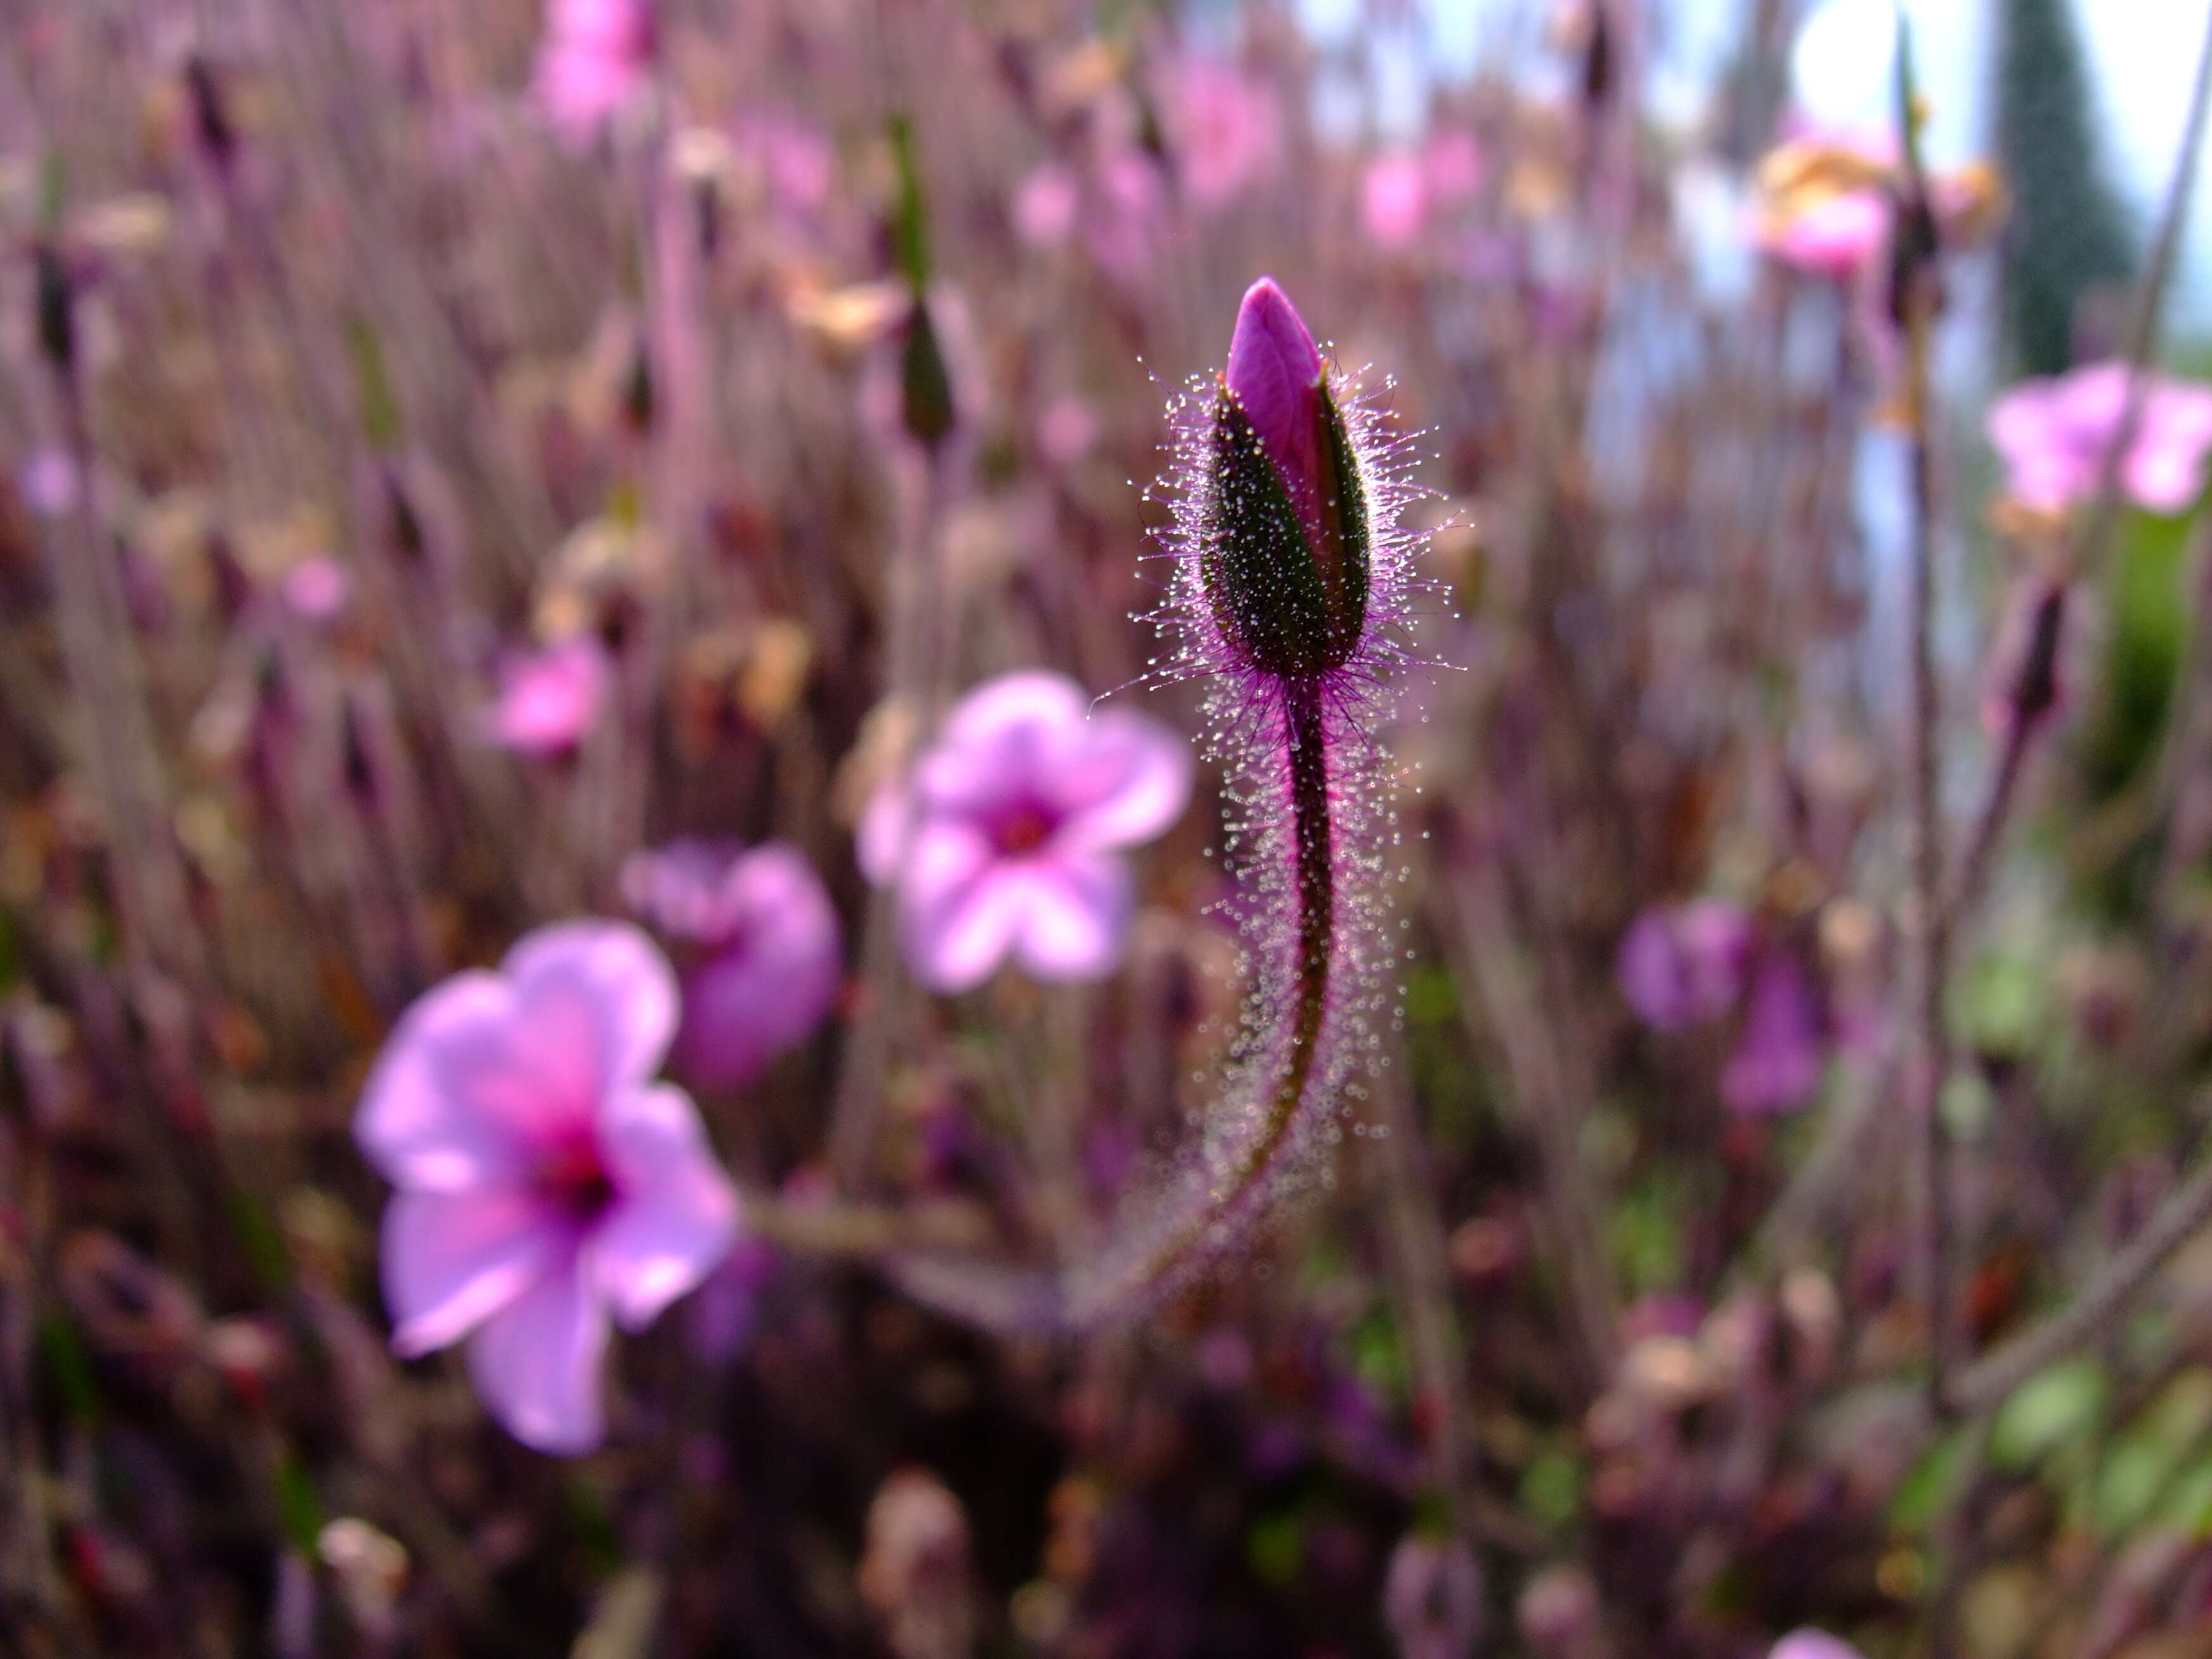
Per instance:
{"type": "Point", "coordinates": [1023, 828]}
{"type": "Point", "coordinates": [573, 1180]}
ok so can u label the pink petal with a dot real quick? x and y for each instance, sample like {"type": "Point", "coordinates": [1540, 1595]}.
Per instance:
{"type": "Point", "coordinates": [452, 1259]}
{"type": "Point", "coordinates": [1074, 917]}
{"type": "Point", "coordinates": [598, 1004]}
{"type": "Point", "coordinates": [880, 843]}
{"type": "Point", "coordinates": [421, 1122]}
{"type": "Point", "coordinates": [955, 941]}
{"type": "Point", "coordinates": [1275, 372]}
{"type": "Point", "coordinates": [677, 1214]}
{"type": "Point", "coordinates": [1131, 782]}
{"type": "Point", "coordinates": [775, 982]}
{"type": "Point", "coordinates": [535, 1363]}
{"type": "Point", "coordinates": [1027, 697]}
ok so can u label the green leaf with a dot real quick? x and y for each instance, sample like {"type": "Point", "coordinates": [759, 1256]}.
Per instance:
{"type": "Point", "coordinates": [2046, 1412]}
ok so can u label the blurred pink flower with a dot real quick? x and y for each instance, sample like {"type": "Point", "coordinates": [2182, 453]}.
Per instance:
{"type": "Point", "coordinates": [317, 588]}
{"type": "Point", "coordinates": [1778, 1063]}
{"type": "Point", "coordinates": [1067, 430]}
{"type": "Point", "coordinates": [1682, 963]}
{"type": "Point", "coordinates": [1006, 834]}
{"type": "Point", "coordinates": [1838, 237]}
{"type": "Point", "coordinates": [548, 699]}
{"type": "Point", "coordinates": [1394, 200]}
{"type": "Point", "coordinates": [1451, 167]}
{"type": "Point", "coordinates": [768, 966]}
{"type": "Point", "coordinates": [592, 58]}
{"type": "Point", "coordinates": [543, 1180]}
{"type": "Point", "coordinates": [1044, 205]}
{"type": "Point", "coordinates": [1226, 125]}
{"type": "Point", "coordinates": [1813, 1644]}
{"type": "Point", "coordinates": [47, 482]}
{"type": "Point", "coordinates": [2053, 436]}
{"type": "Point", "coordinates": [1123, 231]}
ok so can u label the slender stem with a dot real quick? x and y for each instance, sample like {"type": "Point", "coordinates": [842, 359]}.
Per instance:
{"type": "Point", "coordinates": [1312, 848]}
{"type": "Point", "coordinates": [1982, 842]}
{"type": "Point", "coordinates": [1932, 957]}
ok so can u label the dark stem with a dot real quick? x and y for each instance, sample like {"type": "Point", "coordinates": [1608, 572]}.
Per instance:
{"type": "Point", "coordinates": [1312, 848]}
{"type": "Point", "coordinates": [1933, 964]}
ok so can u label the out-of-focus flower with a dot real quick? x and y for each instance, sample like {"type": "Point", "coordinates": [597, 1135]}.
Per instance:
{"type": "Point", "coordinates": [1826, 204]}
{"type": "Point", "coordinates": [1226, 125]}
{"type": "Point", "coordinates": [48, 482]}
{"type": "Point", "coordinates": [2052, 435]}
{"type": "Point", "coordinates": [594, 56]}
{"type": "Point", "coordinates": [1560, 1616]}
{"type": "Point", "coordinates": [1005, 837]}
{"type": "Point", "coordinates": [1813, 1644]}
{"type": "Point", "coordinates": [1067, 430]}
{"type": "Point", "coordinates": [543, 1180]}
{"type": "Point", "coordinates": [1394, 200]}
{"type": "Point", "coordinates": [914, 1568]}
{"type": "Point", "coordinates": [767, 969]}
{"type": "Point", "coordinates": [316, 589]}
{"type": "Point", "coordinates": [370, 1566]}
{"type": "Point", "coordinates": [1124, 232]}
{"type": "Point", "coordinates": [548, 699]}
{"type": "Point", "coordinates": [1432, 1598]}
{"type": "Point", "coordinates": [1045, 203]}
{"type": "Point", "coordinates": [1777, 1066]}
{"type": "Point", "coordinates": [1835, 236]}
{"type": "Point", "coordinates": [1682, 963]}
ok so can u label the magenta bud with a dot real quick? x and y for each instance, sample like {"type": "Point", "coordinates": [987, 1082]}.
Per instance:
{"type": "Point", "coordinates": [1284, 550]}
{"type": "Point", "coordinates": [1275, 373]}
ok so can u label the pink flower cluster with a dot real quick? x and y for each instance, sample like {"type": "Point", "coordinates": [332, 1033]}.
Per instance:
{"type": "Point", "coordinates": [2053, 436]}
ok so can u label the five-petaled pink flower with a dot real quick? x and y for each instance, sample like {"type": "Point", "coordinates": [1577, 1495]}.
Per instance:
{"type": "Point", "coordinates": [766, 968]}
{"type": "Point", "coordinates": [1007, 835]}
{"type": "Point", "coordinates": [594, 56]}
{"type": "Point", "coordinates": [2053, 436]}
{"type": "Point", "coordinates": [544, 1180]}
{"type": "Point", "coordinates": [548, 700]}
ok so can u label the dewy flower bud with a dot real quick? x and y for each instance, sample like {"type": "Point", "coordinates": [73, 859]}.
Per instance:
{"type": "Point", "coordinates": [1289, 596]}
{"type": "Point", "coordinates": [1286, 567]}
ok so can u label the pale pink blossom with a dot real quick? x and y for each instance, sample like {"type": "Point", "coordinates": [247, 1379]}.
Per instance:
{"type": "Point", "coordinates": [1838, 237]}
{"type": "Point", "coordinates": [765, 967]}
{"type": "Point", "coordinates": [1045, 203]}
{"type": "Point", "coordinates": [544, 1182]}
{"type": "Point", "coordinates": [2052, 435]}
{"type": "Point", "coordinates": [1067, 430]}
{"type": "Point", "coordinates": [1226, 125]}
{"type": "Point", "coordinates": [548, 699]}
{"type": "Point", "coordinates": [317, 588]}
{"type": "Point", "coordinates": [593, 58]}
{"type": "Point", "coordinates": [1005, 837]}
{"type": "Point", "coordinates": [1394, 200]}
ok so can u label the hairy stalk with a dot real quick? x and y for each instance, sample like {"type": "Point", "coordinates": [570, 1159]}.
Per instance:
{"type": "Point", "coordinates": [1288, 593]}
